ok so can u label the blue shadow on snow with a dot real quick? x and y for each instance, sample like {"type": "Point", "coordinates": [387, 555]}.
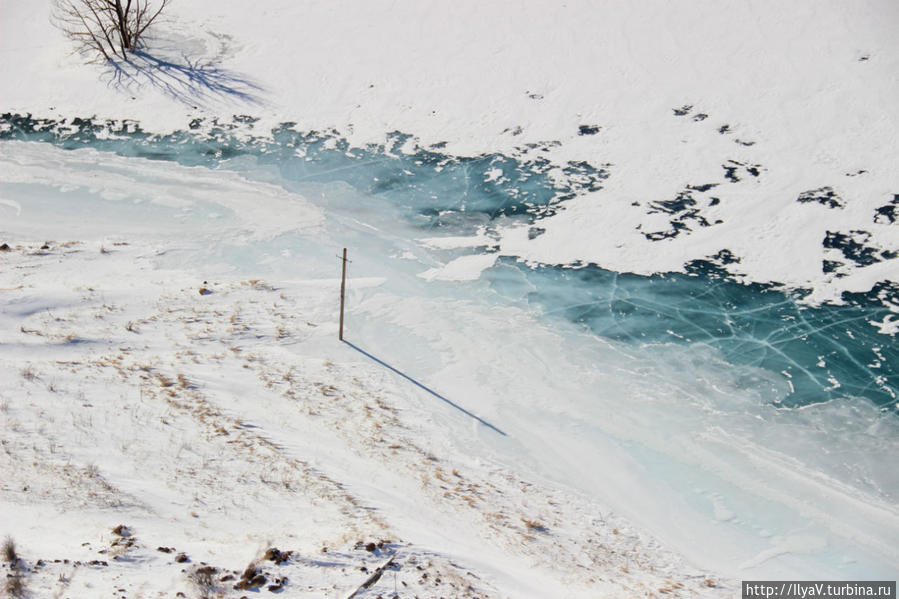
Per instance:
{"type": "Point", "coordinates": [191, 82]}
{"type": "Point", "coordinates": [429, 390]}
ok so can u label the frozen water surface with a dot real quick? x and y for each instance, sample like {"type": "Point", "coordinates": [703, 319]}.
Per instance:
{"type": "Point", "coordinates": [822, 353]}
{"type": "Point", "coordinates": [736, 422]}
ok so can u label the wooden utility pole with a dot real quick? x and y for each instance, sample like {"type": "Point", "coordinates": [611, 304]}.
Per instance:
{"type": "Point", "coordinates": [342, 293]}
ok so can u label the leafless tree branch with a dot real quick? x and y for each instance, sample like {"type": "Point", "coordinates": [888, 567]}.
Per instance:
{"type": "Point", "coordinates": [107, 28]}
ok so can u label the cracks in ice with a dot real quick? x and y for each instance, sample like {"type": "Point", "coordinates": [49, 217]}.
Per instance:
{"type": "Point", "coordinates": [750, 325]}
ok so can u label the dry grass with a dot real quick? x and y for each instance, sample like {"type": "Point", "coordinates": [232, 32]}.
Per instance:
{"type": "Point", "coordinates": [204, 579]}
{"type": "Point", "coordinates": [15, 581]}
{"type": "Point", "coordinates": [9, 552]}
{"type": "Point", "coordinates": [534, 525]}
{"type": "Point", "coordinates": [252, 578]}
{"type": "Point", "coordinates": [28, 373]}
{"type": "Point", "coordinates": [15, 585]}
{"type": "Point", "coordinates": [122, 531]}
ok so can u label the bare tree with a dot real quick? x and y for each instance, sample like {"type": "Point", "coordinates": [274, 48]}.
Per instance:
{"type": "Point", "coordinates": [107, 28]}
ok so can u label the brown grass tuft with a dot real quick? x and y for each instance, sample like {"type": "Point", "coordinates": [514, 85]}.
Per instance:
{"type": "Point", "coordinates": [122, 531]}
{"type": "Point", "coordinates": [203, 578]}
{"type": "Point", "coordinates": [9, 552]}
{"type": "Point", "coordinates": [15, 585]}
{"type": "Point", "coordinates": [534, 525]}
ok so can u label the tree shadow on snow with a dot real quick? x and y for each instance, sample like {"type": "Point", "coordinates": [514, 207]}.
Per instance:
{"type": "Point", "coordinates": [194, 82]}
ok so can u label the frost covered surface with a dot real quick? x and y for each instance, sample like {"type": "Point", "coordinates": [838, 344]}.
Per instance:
{"type": "Point", "coordinates": [758, 105]}
{"type": "Point", "coordinates": [218, 419]}
{"type": "Point", "coordinates": [505, 176]}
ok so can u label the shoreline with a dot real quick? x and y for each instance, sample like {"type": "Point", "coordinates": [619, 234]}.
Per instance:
{"type": "Point", "coordinates": [122, 375]}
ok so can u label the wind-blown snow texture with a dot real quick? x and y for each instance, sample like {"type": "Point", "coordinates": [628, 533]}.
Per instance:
{"type": "Point", "coordinates": [655, 245]}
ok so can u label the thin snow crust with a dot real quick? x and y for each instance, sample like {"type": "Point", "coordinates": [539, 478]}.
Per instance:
{"type": "Point", "coordinates": [150, 382]}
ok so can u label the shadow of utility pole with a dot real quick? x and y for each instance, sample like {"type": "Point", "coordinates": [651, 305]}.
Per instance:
{"type": "Point", "coordinates": [429, 390]}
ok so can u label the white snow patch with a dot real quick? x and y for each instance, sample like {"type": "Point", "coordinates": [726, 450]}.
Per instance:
{"type": "Point", "coordinates": [464, 268]}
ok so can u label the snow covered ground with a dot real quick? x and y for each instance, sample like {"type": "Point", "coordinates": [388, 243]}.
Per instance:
{"type": "Point", "coordinates": [168, 350]}
{"type": "Point", "coordinates": [763, 101]}
{"type": "Point", "coordinates": [221, 418]}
